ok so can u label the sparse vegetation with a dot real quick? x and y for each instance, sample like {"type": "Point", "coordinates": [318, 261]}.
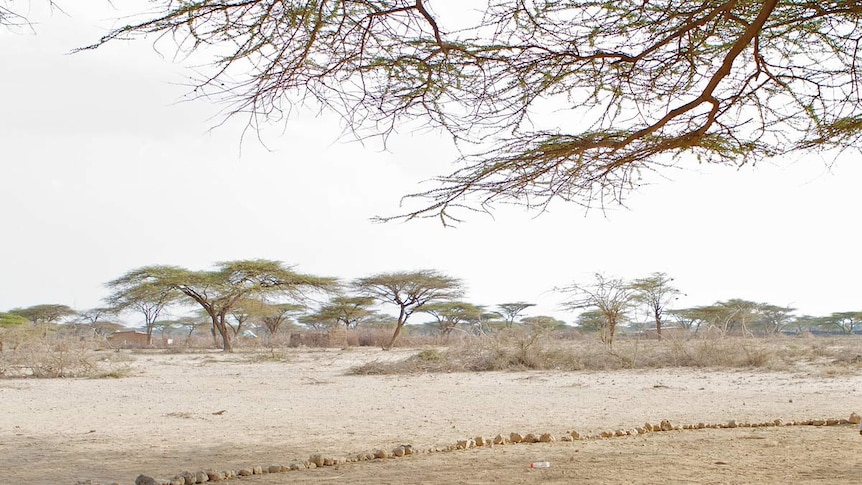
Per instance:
{"type": "Point", "coordinates": [518, 350]}
{"type": "Point", "coordinates": [52, 356]}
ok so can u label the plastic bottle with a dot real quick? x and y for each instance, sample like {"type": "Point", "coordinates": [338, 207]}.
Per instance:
{"type": "Point", "coordinates": [540, 464]}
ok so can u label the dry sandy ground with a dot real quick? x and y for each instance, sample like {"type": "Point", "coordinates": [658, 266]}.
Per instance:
{"type": "Point", "coordinates": [195, 411]}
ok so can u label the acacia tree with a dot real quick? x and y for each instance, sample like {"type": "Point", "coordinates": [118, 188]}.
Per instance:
{"type": "Point", "coordinates": [692, 319]}
{"type": "Point", "coordinates": [218, 291]}
{"type": "Point", "coordinates": [44, 314]}
{"type": "Point", "coordinates": [137, 291]}
{"type": "Point", "coordinates": [845, 322]}
{"type": "Point", "coordinates": [511, 311]}
{"type": "Point", "coordinates": [409, 291]}
{"type": "Point", "coordinates": [656, 292]}
{"type": "Point", "coordinates": [611, 296]}
{"type": "Point", "coordinates": [774, 318]}
{"type": "Point", "coordinates": [274, 315]}
{"type": "Point", "coordinates": [450, 314]}
{"type": "Point", "coordinates": [563, 100]}
{"type": "Point", "coordinates": [349, 311]}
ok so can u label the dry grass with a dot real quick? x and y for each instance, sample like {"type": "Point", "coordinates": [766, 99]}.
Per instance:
{"type": "Point", "coordinates": [51, 357]}
{"type": "Point", "coordinates": [518, 350]}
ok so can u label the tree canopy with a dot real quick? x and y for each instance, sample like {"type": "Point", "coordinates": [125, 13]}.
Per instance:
{"type": "Point", "coordinates": [221, 290]}
{"type": "Point", "coordinates": [45, 313]}
{"type": "Point", "coordinates": [547, 100]}
{"type": "Point", "coordinates": [409, 291]}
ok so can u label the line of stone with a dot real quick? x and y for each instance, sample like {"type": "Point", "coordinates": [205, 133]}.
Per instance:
{"type": "Point", "coordinates": [318, 460]}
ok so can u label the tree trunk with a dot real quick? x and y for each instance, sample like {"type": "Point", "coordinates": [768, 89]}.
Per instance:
{"type": "Point", "coordinates": [612, 328]}
{"type": "Point", "coordinates": [227, 345]}
{"type": "Point", "coordinates": [658, 324]}
{"type": "Point", "coordinates": [394, 337]}
{"type": "Point", "coordinates": [218, 324]}
{"type": "Point", "coordinates": [402, 319]}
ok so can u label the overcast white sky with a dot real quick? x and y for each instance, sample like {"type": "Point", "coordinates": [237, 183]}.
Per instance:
{"type": "Point", "coordinates": [102, 171]}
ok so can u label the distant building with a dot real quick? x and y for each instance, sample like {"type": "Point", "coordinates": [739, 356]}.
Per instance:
{"type": "Point", "coordinates": [128, 339]}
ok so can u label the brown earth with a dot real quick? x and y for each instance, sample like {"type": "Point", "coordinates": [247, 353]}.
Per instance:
{"type": "Point", "coordinates": [196, 411]}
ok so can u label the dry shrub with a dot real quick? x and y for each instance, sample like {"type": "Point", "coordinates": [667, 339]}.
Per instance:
{"type": "Point", "coordinates": [515, 350]}
{"type": "Point", "coordinates": [51, 357]}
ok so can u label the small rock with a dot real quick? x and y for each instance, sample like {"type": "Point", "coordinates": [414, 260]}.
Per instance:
{"type": "Point", "coordinates": [317, 459]}
{"type": "Point", "coordinates": [398, 451]}
{"type": "Point", "coordinates": [620, 432]}
{"type": "Point", "coordinates": [145, 480]}
{"type": "Point", "coordinates": [310, 465]}
{"type": "Point", "coordinates": [295, 466]}
{"type": "Point", "coordinates": [245, 472]}
{"type": "Point", "coordinates": [201, 477]}
{"type": "Point", "coordinates": [499, 440]}
{"type": "Point", "coordinates": [257, 470]}
{"type": "Point", "coordinates": [818, 422]}
{"type": "Point", "coordinates": [516, 438]}
{"type": "Point", "coordinates": [546, 438]}
{"type": "Point", "coordinates": [566, 437]}
{"type": "Point", "coordinates": [575, 435]}
{"type": "Point", "coordinates": [732, 424]}
{"type": "Point", "coordinates": [214, 476]}
{"type": "Point", "coordinates": [480, 441]}
{"type": "Point", "coordinates": [665, 425]}
{"type": "Point", "coordinates": [378, 454]}
{"type": "Point", "coordinates": [329, 461]}
{"type": "Point", "coordinates": [855, 418]}
{"type": "Point", "coordinates": [531, 438]}
{"type": "Point", "coordinates": [276, 468]}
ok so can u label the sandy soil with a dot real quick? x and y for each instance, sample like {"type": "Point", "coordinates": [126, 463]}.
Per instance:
{"type": "Point", "coordinates": [195, 411]}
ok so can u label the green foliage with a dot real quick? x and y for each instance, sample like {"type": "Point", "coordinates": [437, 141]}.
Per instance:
{"type": "Point", "coordinates": [542, 324]}
{"type": "Point", "coordinates": [592, 321]}
{"type": "Point", "coordinates": [349, 311]}
{"type": "Point", "coordinates": [12, 320]}
{"type": "Point", "coordinates": [451, 314]}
